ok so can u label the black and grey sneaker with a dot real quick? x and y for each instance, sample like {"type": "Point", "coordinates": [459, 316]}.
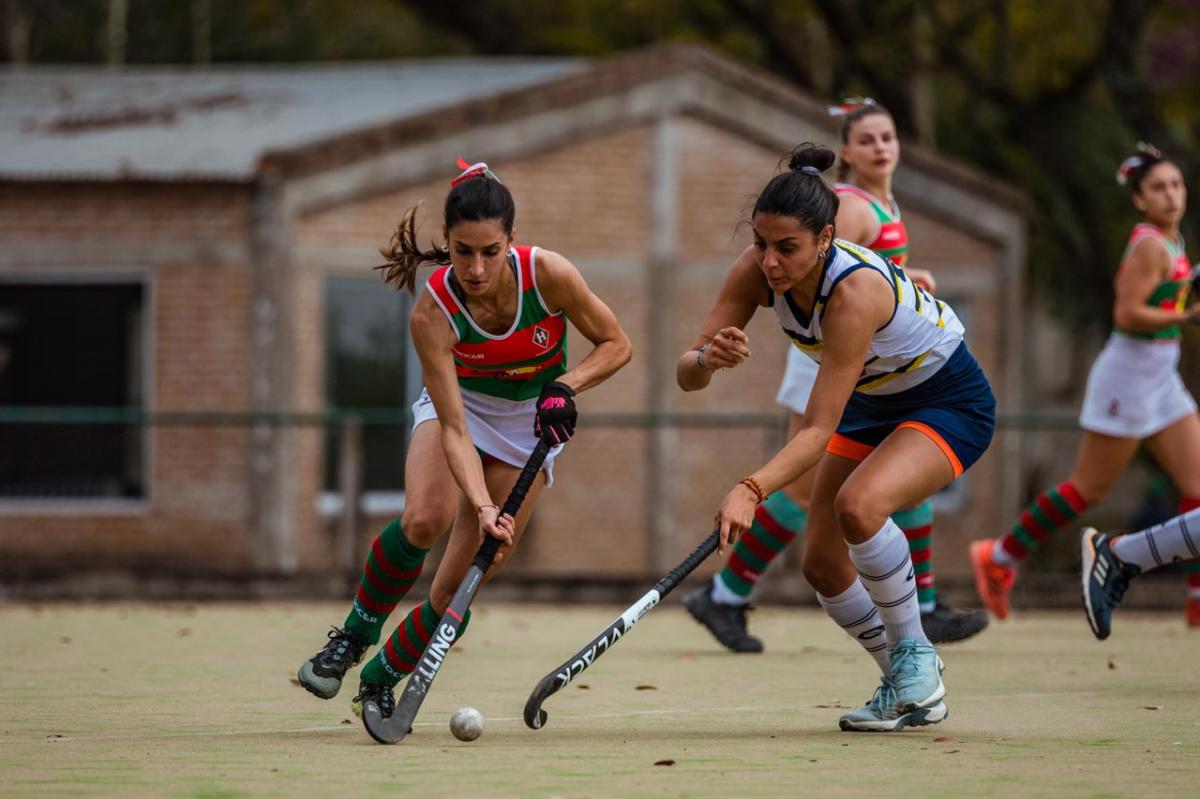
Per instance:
{"type": "Point", "coordinates": [321, 675]}
{"type": "Point", "coordinates": [943, 624]}
{"type": "Point", "coordinates": [727, 623]}
{"type": "Point", "coordinates": [381, 695]}
{"type": "Point", "coordinates": [1104, 580]}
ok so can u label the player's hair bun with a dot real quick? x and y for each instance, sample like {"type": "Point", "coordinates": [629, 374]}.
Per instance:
{"type": "Point", "coordinates": [812, 155]}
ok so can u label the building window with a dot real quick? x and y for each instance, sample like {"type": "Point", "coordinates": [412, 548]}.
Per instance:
{"type": "Point", "coordinates": [77, 344]}
{"type": "Point", "coordinates": [369, 365]}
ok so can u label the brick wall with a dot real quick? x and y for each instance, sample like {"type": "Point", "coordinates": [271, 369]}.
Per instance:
{"type": "Point", "coordinates": [195, 513]}
{"type": "Point", "coordinates": [590, 201]}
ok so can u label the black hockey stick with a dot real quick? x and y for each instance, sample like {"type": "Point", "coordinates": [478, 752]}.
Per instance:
{"type": "Point", "coordinates": [399, 724]}
{"type": "Point", "coordinates": [561, 677]}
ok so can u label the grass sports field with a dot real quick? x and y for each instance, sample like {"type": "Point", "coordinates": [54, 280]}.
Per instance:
{"type": "Point", "coordinates": [198, 701]}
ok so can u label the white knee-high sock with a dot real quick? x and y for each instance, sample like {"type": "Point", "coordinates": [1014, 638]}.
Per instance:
{"type": "Point", "coordinates": [1174, 540]}
{"type": "Point", "coordinates": [886, 571]}
{"type": "Point", "coordinates": [855, 613]}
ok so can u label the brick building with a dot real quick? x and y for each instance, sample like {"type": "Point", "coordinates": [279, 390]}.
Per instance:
{"type": "Point", "coordinates": [187, 236]}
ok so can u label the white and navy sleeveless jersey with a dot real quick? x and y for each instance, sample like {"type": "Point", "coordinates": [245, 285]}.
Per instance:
{"type": "Point", "coordinates": [915, 343]}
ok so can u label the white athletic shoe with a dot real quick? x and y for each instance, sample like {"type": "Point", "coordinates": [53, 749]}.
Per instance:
{"type": "Point", "coordinates": [916, 675]}
{"type": "Point", "coordinates": [880, 714]}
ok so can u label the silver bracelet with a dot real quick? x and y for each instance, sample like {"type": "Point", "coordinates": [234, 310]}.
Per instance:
{"type": "Point", "coordinates": [700, 356]}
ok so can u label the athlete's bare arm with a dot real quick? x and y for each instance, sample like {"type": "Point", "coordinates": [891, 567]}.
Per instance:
{"type": "Point", "coordinates": [855, 221]}
{"type": "Point", "coordinates": [862, 304]}
{"type": "Point", "coordinates": [1143, 270]}
{"type": "Point", "coordinates": [745, 290]}
{"type": "Point", "coordinates": [563, 288]}
{"type": "Point", "coordinates": [433, 339]}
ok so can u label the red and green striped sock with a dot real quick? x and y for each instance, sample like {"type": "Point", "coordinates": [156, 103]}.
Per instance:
{"type": "Point", "coordinates": [1052, 509]}
{"type": "Point", "coordinates": [777, 522]}
{"type": "Point", "coordinates": [389, 573]}
{"type": "Point", "coordinates": [400, 655]}
{"type": "Point", "coordinates": [917, 524]}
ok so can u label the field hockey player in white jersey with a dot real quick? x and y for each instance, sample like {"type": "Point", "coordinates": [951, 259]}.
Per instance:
{"type": "Point", "coordinates": [867, 215]}
{"type": "Point", "coordinates": [898, 410]}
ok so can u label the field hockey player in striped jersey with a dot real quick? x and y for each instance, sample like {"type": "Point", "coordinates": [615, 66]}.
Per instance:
{"type": "Point", "coordinates": [867, 215]}
{"type": "Point", "coordinates": [1134, 393]}
{"type": "Point", "coordinates": [490, 332]}
{"type": "Point", "coordinates": [898, 410]}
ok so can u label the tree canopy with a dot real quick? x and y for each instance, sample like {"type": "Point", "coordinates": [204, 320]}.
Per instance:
{"type": "Point", "coordinates": [1049, 96]}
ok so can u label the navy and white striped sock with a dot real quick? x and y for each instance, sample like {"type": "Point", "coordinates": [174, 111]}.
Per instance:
{"type": "Point", "coordinates": [1174, 540]}
{"type": "Point", "coordinates": [886, 570]}
{"type": "Point", "coordinates": [855, 613]}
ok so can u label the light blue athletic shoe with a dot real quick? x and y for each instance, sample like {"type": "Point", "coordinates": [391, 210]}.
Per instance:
{"type": "Point", "coordinates": [880, 713]}
{"type": "Point", "coordinates": [916, 675]}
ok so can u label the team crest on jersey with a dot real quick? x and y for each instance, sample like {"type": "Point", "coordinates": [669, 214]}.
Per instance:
{"type": "Point", "coordinates": [541, 336]}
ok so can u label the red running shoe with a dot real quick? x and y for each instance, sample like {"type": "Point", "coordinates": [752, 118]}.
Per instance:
{"type": "Point", "coordinates": [993, 581]}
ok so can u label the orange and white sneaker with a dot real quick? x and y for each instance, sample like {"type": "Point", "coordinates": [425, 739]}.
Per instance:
{"type": "Point", "coordinates": [1192, 607]}
{"type": "Point", "coordinates": [993, 581]}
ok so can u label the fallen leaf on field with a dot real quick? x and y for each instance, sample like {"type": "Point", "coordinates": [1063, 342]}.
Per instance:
{"type": "Point", "coordinates": [1112, 665]}
{"type": "Point", "coordinates": [952, 751]}
{"type": "Point", "coordinates": [685, 656]}
{"type": "Point", "coordinates": [944, 739]}
{"type": "Point", "coordinates": [646, 688]}
{"type": "Point", "coordinates": [583, 686]}
{"type": "Point", "coordinates": [66, 639]}
{"type": "Point", "coordinates": [834, 704]}
{"type": "Point", "coordinates": [347, 721]}
{"type": "Point", "coordinates": [55, 735]}
{"type": "Point", "coordinates": [1152, 707]}
{"type": "Point", "coordinates": [183, 632]}
{"type": "Point", "coordinates": [293, 681]}
{"type": "Point", "coordinates": [664, 762]}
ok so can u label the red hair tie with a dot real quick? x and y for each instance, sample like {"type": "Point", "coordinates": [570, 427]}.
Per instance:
{"type": "Point", "coordinates": [849, 106]}
{"type": "Point", "coordinates": [475, 170]}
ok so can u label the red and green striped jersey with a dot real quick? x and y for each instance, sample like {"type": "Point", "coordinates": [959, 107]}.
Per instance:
{"type": "Point", "coordinates": [516, 364]}
{"type": "Point", "coordinates": [1172, 293]}
{"type": "Point", "coordinates": [892, 240]}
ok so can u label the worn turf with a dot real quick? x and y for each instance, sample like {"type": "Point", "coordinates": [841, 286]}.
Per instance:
{"type": "Point", "coordinates": [132, 700]}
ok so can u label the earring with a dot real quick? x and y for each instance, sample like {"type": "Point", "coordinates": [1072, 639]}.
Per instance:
{"type": "Point", "coordinates": [820, 255]}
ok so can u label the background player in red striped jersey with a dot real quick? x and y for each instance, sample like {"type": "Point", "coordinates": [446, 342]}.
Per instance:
{"type": "Point", "coordinates": [490, 332]}
{"type": "Point", "coordinates": [1134, 391]}
{"type": "Point", "coordinates": [867, 215]}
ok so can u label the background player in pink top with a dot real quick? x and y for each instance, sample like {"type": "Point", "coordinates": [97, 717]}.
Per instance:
{"type": "Point", "coordinates": [1134, 391]}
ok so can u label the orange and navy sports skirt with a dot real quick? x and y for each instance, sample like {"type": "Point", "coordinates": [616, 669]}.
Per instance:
{"type": "Point", "coordinates": [955, 408]}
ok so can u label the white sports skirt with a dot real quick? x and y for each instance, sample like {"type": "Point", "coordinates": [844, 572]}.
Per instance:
{"type": "Point", "coordinates": [798, 379]}
{"type": "Point", "coordinates": [1134, 389]}
{"type": "Point", "coordinates": [501, 428]}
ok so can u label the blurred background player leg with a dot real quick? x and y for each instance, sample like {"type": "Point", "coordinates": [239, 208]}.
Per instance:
{"type": "Point", "coordinates": [942, 623]}
{"type": "Point", "coordinates": [1100, 461]}
{"type": "Point", "coordinates": [1177, 451]}
{"type": "Point", "coordinates": [722, 605]}
{"type": "Point", "coordinates": [1111, 562]}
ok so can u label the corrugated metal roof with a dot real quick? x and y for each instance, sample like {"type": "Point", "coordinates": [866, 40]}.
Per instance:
{"type": "Point", "coordinates": [170, 123]}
